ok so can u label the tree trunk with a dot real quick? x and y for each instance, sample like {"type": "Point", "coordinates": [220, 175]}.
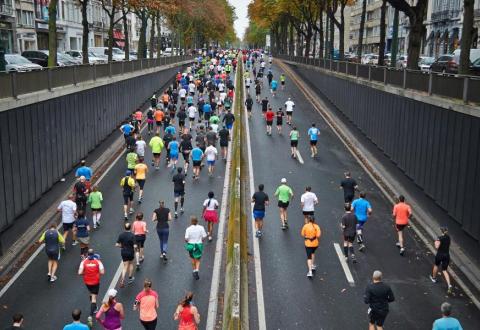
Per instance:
{"type": "Point", "coordinates": [159, 34]}
{"type": "Point", "coordinates": [394, 50]}
{"type": "Point", "coordinates": [152, 35]}
{"type": "Point", "coordinates": [381, 50]}
{"type": "Point", "coordinates": [361, 30]}
{"type": "Point", "coordinates": [110, 35]}
{"type": "Point", "coordinates": [126, 33]}
{"type": "Point", "coordinates": [308, 40]}
{"type": "Point", "coordinates": [327, 36]}
{"type": "Point", "coordinates": [85, 32]}
{"type": "Point", "coordinates": [299, 43]}
{"type": "Point", "coordinates": [314, 50]}
{"type": "Point", "coordinates": [467, 33]}
{"type": "Point", "coordinates": [142, 41]}
{"type": "Point", "coordinates": [417, 30]}
{"type": "Point", "coordinates": [341, 32]}
{"type": "Point", "coordinates": [52, 33]}
{"type": "Point", "coordinates": [332, 39]}
{"type": "Point", "coordinates": [320, 32]}
{"type": "Point", "coordinates": [291, 44]}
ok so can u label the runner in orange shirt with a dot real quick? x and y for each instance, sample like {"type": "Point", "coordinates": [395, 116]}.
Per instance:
{"type": "Point", "coordinates": [141, 170]}
{"type": "Point", "coordinates": [402, 212]}
{"type": "Point", "coordinates": [311, 233]}
{"type": "Point", "coordinates": [158, 118]}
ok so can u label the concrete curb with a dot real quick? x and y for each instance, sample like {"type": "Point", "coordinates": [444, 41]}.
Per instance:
{"type": "Point", "coordinates": [390, 187]}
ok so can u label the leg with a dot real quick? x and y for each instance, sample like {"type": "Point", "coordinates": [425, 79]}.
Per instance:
{"type": "Point", "coordinates": [447, 277]}
{"type": "Point", "coordinates": [400, 238]}
{"type": "Point", "coordinates": [434, 271]}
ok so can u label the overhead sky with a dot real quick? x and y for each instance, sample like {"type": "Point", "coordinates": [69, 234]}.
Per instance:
{"type": "Point", "coordinates": [241, 10]}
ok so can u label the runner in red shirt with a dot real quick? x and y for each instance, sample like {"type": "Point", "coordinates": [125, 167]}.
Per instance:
{"type": "Point", "coordinates": [91, 269]}
{"type": "Point", "coordinates": [269, 115]}
{"type": "Point", "coordinates": [402, 213]}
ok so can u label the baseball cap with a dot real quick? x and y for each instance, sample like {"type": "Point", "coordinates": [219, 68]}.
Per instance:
{"type": "Point", "coordinates": [112, 293]}
{"type": "Point", "coordinates": [283, 180]}
{"type": "Point", "coordinates": [128, 173]}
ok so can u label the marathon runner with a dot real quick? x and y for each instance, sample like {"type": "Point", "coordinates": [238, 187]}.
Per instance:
{"type": "Point", "coordinates": [260, 200]}
{"type": "Point", "coordinates": [294, 135]}
{"type": "Point", "coordinates": [162, 216]}
{"type": "Point", "coordinates": [146, 302]}
{"type": "Point", "coordinates": [349, 186]}
{"type": "Point", "coordinates": [53, 241]}
{"type": "Point", "coordinates": [402, 212]}
{"type": "Point", "coordinates": [92, 269]}
{"type": "Point", "coordinates": [284, 194]}
{"type": "Point", "coordinates": [150, 120]}
{"type": "Point", "coordinates": [363, 210]}
{"type": "Point", "coordinates": [179, 190]}
{"type": "Point", "coordinates": [211, 154]}
{"type": "Point", "coordinates": [308, 201]}
{"type": "Point", "coordinates": [249, 105]}
{"type": "Point", "coordinates": [126, 242]}
{"type": "Point", "coordinates": [194, 236]}
{"type": "Point", "coordinates": [289, 105]}
{"type": "Point", "coordinates": [159, 115]}
{"type": "Point", "coordinates": [311, 233]}
{"type": "Point", "coordinates": [349, 224]}
{"type": "Point", "coordinates": [140, 171]}
{"type": "Point", "coordinates": [140, 146]}
{"type": "Point", "coordinates": [442, 258]}
{"type": "Point", "coordinates": [139, 229]}
{"type": "Point", "coordinates": [229, 119]}
{"type": "Point", "coordinates": [156, 143]}
{"type": "Point", "coordinates": [69, 212]}
{"type": "Point", "coordinates": [273, 87]}
{"type": "Point", "coordinates": [282, 81]}
{"type": "Point", "coordinates": [264, 106]}
{"type": "Point", "coordinates": [313, 133]}
{"type": "Point", "coordinates": [128, 187]}
{"type": "Point", "coordinates": [186, 148]}
{"type": "Point", "coordinates": [269, 120]}
{"type": "Point", "coordinates": [210, 206]}
{"type": "Point", "coordinates": [81, 227]}
{"type": "Point", "coordinates": [173, 148]}
{"type": "Point", "coordinates": [224, 135]}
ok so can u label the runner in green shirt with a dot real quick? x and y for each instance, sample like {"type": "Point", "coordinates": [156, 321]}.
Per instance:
{"type": "Point", "coordinates": [294, 135]}
{"type": "Point", "coordinates": [131, 160]}
{"type": "Point", "coordinates": [282, 80]}
{"type": "Point", "coordinates": [156, 143]}
{"type": "Point", "coordinates": [95, 200]}
{"type": "Point", "coordinates": [284, 194]}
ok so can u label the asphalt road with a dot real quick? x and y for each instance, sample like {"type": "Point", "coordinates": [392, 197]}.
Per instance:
{"type": "Point", "coordinates": [292, 301]}
{"type": "Point", "coordinates": [48, 306]}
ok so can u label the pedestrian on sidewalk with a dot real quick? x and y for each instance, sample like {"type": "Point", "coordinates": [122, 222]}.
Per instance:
{"type": "Point", "coordinates": [311, 233]}
{"type": "Point", "coordinates": [194, 236]}
{"type": "Point", "coordinates": [308, 200]}
{"type": "Point", "coordinates": [92, 269]}
{"type": "Point", "coordinates": [349, 223]}
{"type": "Point", "coordinates": [446, 322]}
{"type": "Point", "coordinates": [260, 200]}
{"type": "Point", "coordinates": [53, 241]}
{"type": "Point", "coordinates": [284, 194]}
{"type": "Point", "coordinates": [210, 206]}
{"type": "Point", "coordinates": [126, 242]}
{"type": "Point", "coordinates": [402, 212]}
{"type": "Point", "coordinates": [113, 310]}
{"type": "Point", "coordinates": [349, 186]}
{"type": "Point", "coordinates": [146, 302]}
{"type": "Point", "coordinates": [362, 209]}
{"type": "Point", "coordinates": [139, 229]}
{"type": "Point", "coordinates": [69, 212]}
{"type": "Point", "coordinates": [81, 228]}
{"type": "Point", "coordinates": [187, 314]}
{"type": "Point", "coordinates": [162, 216]}
{"type": "Point", "coordinates": [378, 295]}
{"type": "Point", "coordinates": [442, 258]}
{"type": "Point", "coordinates": [294, 135]}
{"type": "Point", "coordinates": [95, 199]}
{"type": "Point", "coordinates": [76, 324]}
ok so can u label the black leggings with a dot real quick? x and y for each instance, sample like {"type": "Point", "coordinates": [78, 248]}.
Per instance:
{"type": "Point", "coordinates": [149, 325]}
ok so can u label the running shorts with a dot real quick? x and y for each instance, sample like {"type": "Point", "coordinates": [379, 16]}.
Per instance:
{"type": "Point", "coordinates": [258, 214]}
{"type": "Point", "coordinates": [180, 193]}
{"type": "Point", "coordinates": [140, 240]}
{"type": "Point", "coordinates": [377, 318]}
{"type": "Point", "coordinates": [67, 226]}
{"type": "Point", "coordinates": [97, 209]}
{"type": "Point", "coordinates": [289, 113]}
{"type": "Point", "coordinates": [93, 289]}
{"type": "Point", "coordinates": [279, 122]}
{"type": "Point", "coordinates": [197, 163]}
{"type": "Point", "coordinates": [293, 143]}
{"type": "Point", "coordinates": [229, 126]}
{"type": "Point", "coordinates": [442, 261]}
{"type": "Point", "coordinates": [127, 256]}
{"type": "Point", "coordinates": [207, 115]}
{"type": "Point", "coordinates": [141, 183]}
{"type": "Point", "coordinates": [127, 198]}
{"type": "Point", "coordinates": [53, 255]}
{"type": "Point", "coordinates": [313, 142]}
{"type": "Point", "coordinates": [174, 156]}
{"type": "Point", "coordinates": [269, 122]}
{"type": "Point", "coordinates": [310, 250]}
{"type": "Point", "coordinates": [308, 212]}
{"type": "Point", "coordinates": [181, 123]}
{"type": "Point", "coordinates": [282, 82]}
{"type": "Point", "coordinates": [156, 154]}
{"type": "Point", "coordinates": [282, 204]}
{"type": "Point", "coordinates": [186, 157]}
{"type": "Point", "coordinates": [400, 227]}
{"type": "Point", "coordinates": [159, 123]}
{"type": "Point", "coordinates": [211, 162]}
{"type": "Point", "coordinates": [349, 238]}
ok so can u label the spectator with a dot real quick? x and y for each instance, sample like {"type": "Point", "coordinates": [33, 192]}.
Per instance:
{"type": "Point", "coordinates": [446, 322]}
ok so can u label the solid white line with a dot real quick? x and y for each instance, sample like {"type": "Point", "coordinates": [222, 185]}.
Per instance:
{"type": "Point", "coordinates": [114, 281]}
{"type": "Point", "coordinates": [262, 324]}
{"type": "Point", "coordinates": [299, 156]}
{"type": "Point", "coordinates": [217, 262]}
{"type": "Point", "coordinates": [40, 248]}
{"type": "Point", "coordinates": [346, 270]}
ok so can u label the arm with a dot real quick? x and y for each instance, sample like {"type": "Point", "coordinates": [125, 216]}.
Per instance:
{"type": "Point", "coordinates": [437, 244]}
{"type": "Point", "coordinates": [390, 296]}
{"type": "Point", "coordinates": [120, 310]}
{"type": "Point", "coordinates": [169, 216]}
{"type": "Point", "coordinates": [154, 217]}
{"type": "Point", "coordinates": [42, 238]}
{"type": "Point", "coordinates": [367, 296]}
{"type": "Point", "coordinates": [177, 312]}
{"type": "Point", "coordinates": [196, 315]}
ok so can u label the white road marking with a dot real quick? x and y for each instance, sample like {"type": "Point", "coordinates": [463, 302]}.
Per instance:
{"type": "Point", "coordinates": [346, 270]}
{"type": "Point", "coordinates": [299, 157]}
{"type": "Point", "coordinates": [114, 281]}
{"type": "Point", "coordinates": [262, 324]}
{"type": "Point", "coordinates": [217, 262]}
{"type": "Point", "coordinates": [40, 248]}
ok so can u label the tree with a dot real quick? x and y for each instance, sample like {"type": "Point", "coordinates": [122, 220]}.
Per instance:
{"type": "Point", "coordinates": [332, 9]}
{"type": "Point", "coordinates": [125, 10]}
{"type": "Point", "coordinates": [381, 50]}
{"type": "Point", "coordinates": [361, 30]}
{"type": "Point", "coordinates": [83, 8]}
{"type": "Point", "coordinates": [467, 33]}
{"type": "Point", "coordinates": [110, 7]}
{"type": "Point", "coordinates": [416, 15]}
{"type": "Point", "coordinates": [52, 33]}
{"type": "Point", "coordinates": [152, 34]}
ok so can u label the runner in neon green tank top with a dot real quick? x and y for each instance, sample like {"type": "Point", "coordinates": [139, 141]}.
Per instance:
{"type": "Point", "coordinates": [294, 135]}
{"type": "Point", "coordinates": [284, 194]}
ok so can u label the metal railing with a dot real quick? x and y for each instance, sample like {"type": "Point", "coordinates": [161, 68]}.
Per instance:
{"type": "Point", "coordinates": [465, 88]}
{"type": "Point", "coordinates": [14, 84]}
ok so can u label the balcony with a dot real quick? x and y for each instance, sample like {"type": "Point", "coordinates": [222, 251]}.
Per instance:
{"type": "Point", "coordinates": [6, 9]}
{"type": "Point", "coordinates": [445, 15]}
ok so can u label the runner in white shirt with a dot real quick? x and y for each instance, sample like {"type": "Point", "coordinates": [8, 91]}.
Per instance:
{"type": "Point", "coordinates": [210, 206]}
{"type": "Point", "coordinates": [221, 87]}
{"type": "Point", "coordinates": [69, 213]}
{"type": "Point", "coordinates": [182, 93]}
{"type": "Point", "coordinates": [194, 236]}
{"type": "Point", "coordinates": [191, 88]}
{"type": "Point", "coordinates": [211, 154]}
{"type": "Point", "coordinates": [289, 105]}
{"type": "Point", "coordinates": [308, 201]}
{"type": "Point", "coordinates": [192, 110]}
{"type": "Point", "coordinates": [140, 146]}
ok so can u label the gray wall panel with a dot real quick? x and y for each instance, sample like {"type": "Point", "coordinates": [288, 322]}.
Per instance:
{"type": "Point", "coordinates": [14, 156]}
{"type": "Point", "coordinates": [6, 169]}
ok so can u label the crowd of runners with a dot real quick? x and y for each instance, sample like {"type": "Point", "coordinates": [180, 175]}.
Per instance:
{"type": "Point", "coordinates": [188, 128]}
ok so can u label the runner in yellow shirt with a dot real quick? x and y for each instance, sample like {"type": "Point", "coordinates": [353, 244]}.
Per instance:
{"type": "Point", "coordinates": [141, 171]}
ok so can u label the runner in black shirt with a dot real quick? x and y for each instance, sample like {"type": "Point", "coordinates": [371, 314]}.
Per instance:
{"type": "Point", "coordinates": [224, 136]}
{"type": "Point", "coordinates": [279, 115]}
{"type": "Point", "coordinates": [126, 241]}
{"type": "Point", "coordinates": [378, 295]}
{"type": "Point", "coordinates": [258, 91]}
{"type": "Point", "coordinates": [442, 258]}
{"type": "Point", "coordinates": [349, 186]}
{"type": "Point", "coordinates": [260, 200]}
{"type": "Point", "coordinates": [264, 106]}
{"type": "Point", "coordinates": [349, 224]}
{"type": "Point", "coordinates": [150, 120]}
{"type": "Point", "coordinates": [249, 105]}
{"type": "Point", "coordinates": [182, 116]}
{"type": "Point", "coordinates": [185, 148]}
{"type": "Point", "coordinates": [179, 189]}
{"type": "Point", "coordinates": [162, 216]}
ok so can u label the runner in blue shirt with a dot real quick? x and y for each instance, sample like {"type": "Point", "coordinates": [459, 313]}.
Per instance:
{"type": "Point", "coordinates": [173, 146]}
{"type": "Point", "coordinates": [189, 100]}
{"type": "Point", "coordinates": [273, 86]}
{"type": "Point", "coordinates": [84, 170]}
{"type": "Point", "coordinates": [446, 322]}
{"type": "Point", "coordinates": [76, 324]}
{"type": "Point", "coordinates": [126, 128]}
{"type": "Point", "coordinates": [81, 228]}
{"type": "Point", "coordinates": [313, 132]}
{"type": "Point", "coordinates": [197, 155]}
{"type": "Point", "coordinates": [207, 112]}
{"type": "Point", "coordinates": [362, 210]}
{"type": "Point", "coordinates": [170, 129]}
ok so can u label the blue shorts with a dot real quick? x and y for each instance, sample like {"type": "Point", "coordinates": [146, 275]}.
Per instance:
{"type": "Point", "coordinates": [257, 214]}
{"type": "Point", "coordinates": [174, 156]}
{"type": "Point", "coordinates": [229, 126]}
{"type": "Point", "coordinates": [274, 89]}
{"type": "Point", "coordinates": [211, 162]}
{"type": "Point", "coordinates": [360, 225]}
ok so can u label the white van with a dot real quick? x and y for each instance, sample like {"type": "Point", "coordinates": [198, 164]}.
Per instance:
{"type": "Point", "coordinates": [117, 53]}
{"type": "Point", "coordinates": [474, 55]}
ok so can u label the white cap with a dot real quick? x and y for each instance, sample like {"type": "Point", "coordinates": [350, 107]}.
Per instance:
{"type": "Point", "coordinates": [112, 293]}
{"type": "Point", "coordinates": [283, 180]}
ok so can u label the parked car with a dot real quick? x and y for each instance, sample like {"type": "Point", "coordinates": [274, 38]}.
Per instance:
{"type": "Point", "coordinates": [474, 55]}
{"type": "Point", "coordinates": [425, 63]}
{"type": "Point", "coordinates": [18, 63]}
{"type": "Point", "coordinates": [117, 53]}
{"type": "Point", "coordinates": [365, 58]}
{"type": "Point", "coordinates": [445, 64]}
{"type": "Point", "coordinates": [97, 59]}
{"type": "Point", "coordinates": [40, 57]}
{"type": "Point", "coordinates": [475, 68]}
{"type": "Point", "coordinates": [71, 59]}
{"type": "Point", "coordinates": [167, 52]}
{"type": "Point", "coordinates": [402, 62]}
{"type": "Point", "coordinates": [373, 59]}
{"type": "Point", "coordinates": [76, 54]}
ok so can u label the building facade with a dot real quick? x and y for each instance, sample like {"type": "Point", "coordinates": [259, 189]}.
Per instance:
{"type": "Point", "coordinates": [371, 34]}
{"type": "Point", "coordinates": [7, 26]}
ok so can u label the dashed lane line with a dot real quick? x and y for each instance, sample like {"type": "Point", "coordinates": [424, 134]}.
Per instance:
{"type": "Point", "coordinates": [346, 270]}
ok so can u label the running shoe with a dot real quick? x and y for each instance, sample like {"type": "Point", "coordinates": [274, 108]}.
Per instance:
{"type": "Point", "coordinates": [53, 278]}
{"type": "Point", "coordinates": [131, 211]}
{"type": "Point", "coordinates": [314, 268]}
{"type": "Point", "coordinates": [354, 260]}
{"type": "Point", "coordinates": [181, 210]}
{"type": "Point", "coordinates": [74, 243]}
{"type": "Point", "coordinates": [130, 280]}
{"type": "Point", "coordinates": [90, 321]}
{"type": "Point", "coordinates": [450, 289]}
{"type": "Point", "coordinates": [397, 245]}
{"type": "Point", "coordinates": [310, 274]}
{"type": "Point", "coordinates": [361, 248]}
{"type": "Point", "coordinates": [433, 279]}
{"type": "Point", "coordinates": [196, 276]}
{"type": "Point", "coordinates": [402, 251]}
{"type": "Point", "coordinates": [164, 256]}
{"type": "Point", "coordinates": [210, 238]}
{"type": "Point", "coordinates": [176, 215]}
